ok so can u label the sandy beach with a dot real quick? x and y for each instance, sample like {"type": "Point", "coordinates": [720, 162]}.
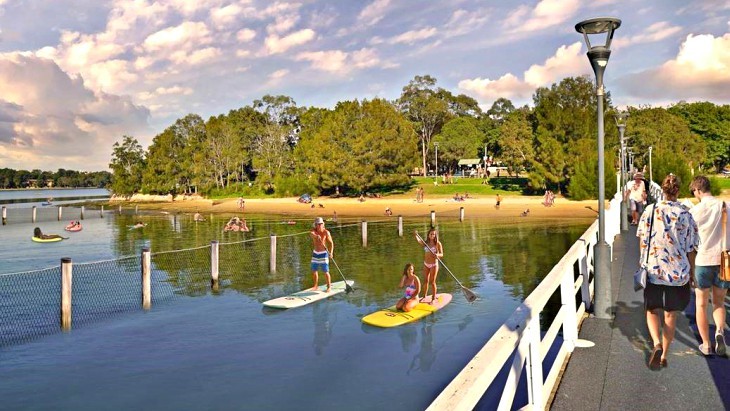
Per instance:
{"type": "Point", "coordinates": [481, 207]}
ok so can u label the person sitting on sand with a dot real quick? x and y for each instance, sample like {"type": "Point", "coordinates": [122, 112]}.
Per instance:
{"type": "Point", "coordinates": [37, 233]}
{"type": "Point", "coordinates": [388, 212]}
{"type": "Point", "coordinates": [525, 213]}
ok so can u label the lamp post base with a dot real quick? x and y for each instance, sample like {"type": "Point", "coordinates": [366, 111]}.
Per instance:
{"type": "Point", "coordinates": [603, 307]}
{"type": "Point", "coordinates": [624, 216]}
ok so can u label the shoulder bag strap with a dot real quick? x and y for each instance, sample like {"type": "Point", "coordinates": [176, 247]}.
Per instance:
{"type": "Point", "coordinates": [651, 229]}
{"type": "Point", "coordinates": [724, 226]}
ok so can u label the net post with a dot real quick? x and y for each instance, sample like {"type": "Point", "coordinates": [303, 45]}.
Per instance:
{"type": "Point", "coordinates": [66, 293]}
{"type": "Point", "coordinates": [214, 249]}
{"type": "Point", "coordinates": [272, 257]}
{"type": "Point", "coordinates": [146, 279]}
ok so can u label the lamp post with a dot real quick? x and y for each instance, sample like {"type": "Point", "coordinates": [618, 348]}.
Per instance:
{"type": "Point", "coordinates": [436, 144]}
{"type": "Point", "coordinates": [598, 56]}
{"type": "Point", "coordinates": [621, 124]}
{"type": "Point", "coordinates": [650, 176]}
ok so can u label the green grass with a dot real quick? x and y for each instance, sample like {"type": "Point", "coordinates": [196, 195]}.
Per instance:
{"type": "Point", "coordinates": [723, 182]}
{"type": "Point", "coordinates": [473, 186]}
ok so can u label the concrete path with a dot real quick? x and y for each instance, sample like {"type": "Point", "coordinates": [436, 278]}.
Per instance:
{"type": "Point", "coordinates": [614, 375]}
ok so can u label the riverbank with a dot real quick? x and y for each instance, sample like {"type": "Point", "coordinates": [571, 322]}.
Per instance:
{"type": "Point", "coordinates": [483, 207]}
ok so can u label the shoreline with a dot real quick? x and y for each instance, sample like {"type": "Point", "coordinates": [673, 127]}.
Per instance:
{"type": "Point", "coordinates": [401, 205]}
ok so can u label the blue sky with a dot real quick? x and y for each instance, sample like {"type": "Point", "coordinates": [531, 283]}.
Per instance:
{"type": "Point", "coordinates": [76, 75]}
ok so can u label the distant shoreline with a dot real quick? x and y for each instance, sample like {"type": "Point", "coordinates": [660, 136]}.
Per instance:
{"type": "Point", "coordinates": [53, 188]}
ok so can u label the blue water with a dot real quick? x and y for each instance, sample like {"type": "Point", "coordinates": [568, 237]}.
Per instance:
{"type": "Point", "coordinates": [202, 350]}
{"type": "Point", "coordinates": [40, 197]}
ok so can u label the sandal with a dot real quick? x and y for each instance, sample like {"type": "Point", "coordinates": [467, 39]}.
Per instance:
{"type": "Point", "coordinates": [656, 357]}
{"type": "Point", "coordinates": [720, 348]}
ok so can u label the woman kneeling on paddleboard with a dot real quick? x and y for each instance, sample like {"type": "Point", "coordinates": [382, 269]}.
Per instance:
{"type": "Point", "coordinates": [434, 250]}
{"type": "Point", "coordinates": [410, 281]}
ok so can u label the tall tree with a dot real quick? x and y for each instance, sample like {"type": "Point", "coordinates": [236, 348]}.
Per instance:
{"type": "Point", "coordinates": [280, 133]}
{"type": "Point", "coordinates": [459, 138]}
{"type": "Point", "coordinates": [421, 103]}
{"type": "Point", "coordinates": [516, 141]}
{"type": "Point", "coordinates": [712, 124]}
{"type": "Point", "coordinates": [358, 146]}
{"type": "Point", "coordinates": [128, 161]}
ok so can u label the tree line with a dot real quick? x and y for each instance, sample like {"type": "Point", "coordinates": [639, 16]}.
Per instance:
{"type": "Point", "coordinates": [275, 146]}
{"type": "Point", "coordinates": [14, 179]}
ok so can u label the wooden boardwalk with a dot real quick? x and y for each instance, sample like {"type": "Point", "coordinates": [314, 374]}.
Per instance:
{"type": "Point", "coordinates": [613, 374]}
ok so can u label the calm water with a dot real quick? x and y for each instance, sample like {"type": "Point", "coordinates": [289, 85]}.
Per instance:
{"type": "Point", "coordinates": [37, 197]}
{"type": "Point", "coordinates": [199, 350]}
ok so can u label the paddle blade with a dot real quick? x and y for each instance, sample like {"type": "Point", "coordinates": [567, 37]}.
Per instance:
{"type": "Point", "coordinates": [348, 288]}
{"type": "Point", "coordinates": [469, 294]}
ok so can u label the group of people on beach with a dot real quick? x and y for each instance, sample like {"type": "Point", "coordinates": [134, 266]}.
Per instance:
{"type": "Point", "coordinates": [323, 248]}
{"type": "Point", "coordinates": [680, 248]}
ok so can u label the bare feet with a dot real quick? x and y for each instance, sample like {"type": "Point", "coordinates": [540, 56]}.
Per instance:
{"type": "Point", "coordinates": [315, 288]}
{"type": "Point", "coordinates": [328, 289]}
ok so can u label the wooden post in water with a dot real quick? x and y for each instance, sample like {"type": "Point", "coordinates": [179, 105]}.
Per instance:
{"type": "Point", "coordinates": [101, 212]}
{"type": "Point", "coordinates": [364, 233]}
{"type": "Point", "coordinates": [272, 257]}
{"type": "Point", "coordinates": [214, 247]}
{"type": "Point", "coordinates": [461, 214]}
{"type": "Point", "coordinates": [146, 279]}
{"type": "Point", "coordinates": [136, 210]}
{"type": "Point", "coordinates": [120, 209]}
{"type": "Point", "coordinates": [433, 218]}
{"type": "Point", "coordinates": [35, 213]}
{"type": "Point", "coordinates": [82, 212]}
{"type": "Point", "coordinates": [5, 216]}
{"type": "Point", "coordinates": [400, 226]}
{"type": "Point", "coordinates": [66, 288]}
{"type": "Point", "coordinates": [60, 212]}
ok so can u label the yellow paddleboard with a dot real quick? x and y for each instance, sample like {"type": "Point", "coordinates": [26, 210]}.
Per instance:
{"type": "Point", "coordinates": [390, 317]}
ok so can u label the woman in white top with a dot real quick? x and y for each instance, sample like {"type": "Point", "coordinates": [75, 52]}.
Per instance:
{"type": "Point", "coordinates": [637, 198]}
{"type": "Point", "coordinates": [708, 216]}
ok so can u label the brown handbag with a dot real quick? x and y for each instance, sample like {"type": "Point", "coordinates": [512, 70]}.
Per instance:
{"type": "Point", "coordinates": [725, 253]}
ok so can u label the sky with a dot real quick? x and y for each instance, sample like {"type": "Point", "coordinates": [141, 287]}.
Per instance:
{"type": "Point", "coordinates": [77, 75]}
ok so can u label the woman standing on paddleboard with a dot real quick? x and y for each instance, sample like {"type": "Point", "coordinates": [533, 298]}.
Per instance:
{"type": "Point", "coordinates": [410, 281]}
{"type": "Point", "coordinates": [433, 251]}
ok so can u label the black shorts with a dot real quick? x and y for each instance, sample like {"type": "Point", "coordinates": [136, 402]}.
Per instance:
{"type": "Point", "coordinates": [666, 297]}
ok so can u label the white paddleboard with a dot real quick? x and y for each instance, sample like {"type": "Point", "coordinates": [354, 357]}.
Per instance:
{"type": "Point", "coordinates": [307, 296]}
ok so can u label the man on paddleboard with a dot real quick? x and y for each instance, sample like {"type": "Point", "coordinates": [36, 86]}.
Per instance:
{"type": "Point", "coordinates": [321, 253]}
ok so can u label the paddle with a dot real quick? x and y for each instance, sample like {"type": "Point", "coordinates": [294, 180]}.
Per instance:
{"type": "Point", "coordinates": [348, 287]}
{"type": "Point", "coordinates": [470, 295]}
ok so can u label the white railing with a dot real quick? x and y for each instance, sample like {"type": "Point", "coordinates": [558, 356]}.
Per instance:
{"type": "Point", "coordinates": [520, 334]}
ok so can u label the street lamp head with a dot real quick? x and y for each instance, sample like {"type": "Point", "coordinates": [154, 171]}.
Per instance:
{"type": "Point", "coordinates": [598, 55]}
{"type": "Point", "coordinates": [621, 117]}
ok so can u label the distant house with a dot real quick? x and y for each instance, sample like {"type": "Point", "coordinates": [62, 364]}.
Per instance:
{"type": "Point", "coordinates": [468, 167]}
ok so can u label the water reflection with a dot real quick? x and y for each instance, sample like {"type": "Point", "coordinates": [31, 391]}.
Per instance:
{"type": "Point", "coordinates": [322, 327]}
{"type": "Point", "coordinates": [426, 355]}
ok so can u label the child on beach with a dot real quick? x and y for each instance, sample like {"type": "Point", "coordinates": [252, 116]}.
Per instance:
{"type": "Point", "coordinates": [412, 284]}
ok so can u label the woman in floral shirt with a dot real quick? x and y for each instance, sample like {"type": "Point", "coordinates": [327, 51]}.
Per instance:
{"type": "Point", "coordinates": [674, 241]}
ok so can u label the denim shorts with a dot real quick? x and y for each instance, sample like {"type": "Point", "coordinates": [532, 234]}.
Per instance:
{"type": "Point", "coordinates": [708, 275]}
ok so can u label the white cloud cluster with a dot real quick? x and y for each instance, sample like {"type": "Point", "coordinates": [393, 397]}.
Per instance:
{"type": "Point", "coordinates": [341, 62]}
{"type": "Point", "coordinates": [50, 120]}
{"type": "Point", "coordinates": [701, 70]}
{"type": "Point", "coordinates": [547, 13]}
{"type": "Point", "coordinates": [567, 61]}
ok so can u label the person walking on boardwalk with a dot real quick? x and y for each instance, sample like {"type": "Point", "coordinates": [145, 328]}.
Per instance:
{"type": "Point", "coordinates": [668, 233]}
{"type": "Point", "coordinates": [637, 198]}
{"type": "Point", "coordinates": [412, 284]}
{"type": "Point", "coordinates": [433, 251]}
{"type": "Point", "coordinates": [708, 216]}
{"type": "Point", "coordinates": [321, 253]}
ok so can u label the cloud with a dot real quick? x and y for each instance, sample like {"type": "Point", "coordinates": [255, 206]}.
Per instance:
{"type": "Point", "coordinates": [465, 21]}
{"type": "Point", "coordinates": [340, 62]}
{"type": "Point", "coordinates": [567, 61]}
{"type": "Point", "coordinates": [245, 35]}
{"type": "Point", "coordinates": [412, 36]}
{"type": "Point", "coordinates": [654, 33]}
{"type": "Point", "coordinates": [373, 12]}
{"type": "Point", "coordinates": [701, 70]}
{"type": "Point", "coordinates": [225, 16]}
{"type": "Point", "coordinates": [547, 13]}
{"type": "Point", "coordinates": [275, 44]}
{"type": "Point", "coordinates": [49, 119]}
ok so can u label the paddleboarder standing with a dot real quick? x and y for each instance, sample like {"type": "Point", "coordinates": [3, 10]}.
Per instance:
{"type": "Point", "coordinates": [321, 253]}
